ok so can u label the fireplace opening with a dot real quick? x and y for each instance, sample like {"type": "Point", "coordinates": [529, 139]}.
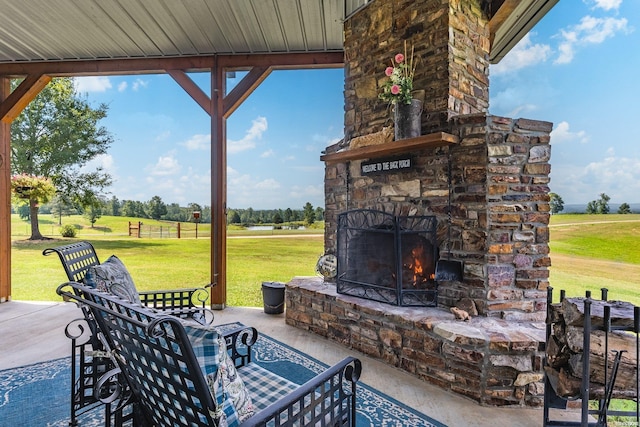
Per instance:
{"type": "Point", "coordinates": [387, 258]}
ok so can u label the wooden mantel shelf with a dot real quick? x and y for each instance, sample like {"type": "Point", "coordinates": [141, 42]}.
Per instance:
{"type": "Point", "coordinates": [432, 140]}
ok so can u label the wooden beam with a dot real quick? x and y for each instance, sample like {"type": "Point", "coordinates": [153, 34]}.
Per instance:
{"type": "Point", "coordinates": [5, 198]}
{"type": "Point", "coordinates": [218, 191]}
{"type": "Point", "coordinates": [28, 89]}
{"type": "Point", "coordinates": [242, 90]}
{"type": "Point", "coordinates": [185, 63]}
{"type": "Point", "coordinates": [500, 16]}
{"type": "Point", "coordinates": [192, 89]}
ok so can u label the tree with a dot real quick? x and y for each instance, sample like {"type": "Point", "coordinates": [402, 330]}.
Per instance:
{"type": "Point", "coordinates": [624, 209]}
{"type": "Point", "coordinates": [556, 202]}
{"type": "Point", "coordinates": [113, 206]}
{"type": "Point", "coordinates": [288, 215]}
{"type": "Point", "coordinates": [234, 217]}
{"type": "Point", "coordinates": [319, 214]}
{"type": "Point", "coordinates": [29, 190]}
{"type": "Point", "coordinates": [603, 203]}
{"type": "Point", "coordinates": [277, 219]}
{"type": "Point", "coordinates": [54, 137]}
{"type": "Point", "coordinates": [309, 214]}
{"type": "Point", "coordinates": [156, 208]}
{"type": "Point", "coordinates": [600, 206]}
{"type": "Point", "coordinates": [93, 212]}
{"type": "Point", "coordinates": [60, 208]}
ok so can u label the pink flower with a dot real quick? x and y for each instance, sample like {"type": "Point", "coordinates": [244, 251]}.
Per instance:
{"type": "Point", "coordinates": [389, 71]}
{"type": "Point", "coordinates": [399, 57]}
{"type": "Point", "coordinates": [395, 89]}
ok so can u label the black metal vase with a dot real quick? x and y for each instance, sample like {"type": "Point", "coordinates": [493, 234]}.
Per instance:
{"type": "Point", "coordinates": [407, 119]}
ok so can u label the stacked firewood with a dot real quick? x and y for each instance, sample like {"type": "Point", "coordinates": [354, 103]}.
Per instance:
{"type": "Point", "coordinates": [565, 353]}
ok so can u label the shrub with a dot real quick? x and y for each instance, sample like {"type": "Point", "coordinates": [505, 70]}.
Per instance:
{"type": "Point", "coordinates": [68, 230]}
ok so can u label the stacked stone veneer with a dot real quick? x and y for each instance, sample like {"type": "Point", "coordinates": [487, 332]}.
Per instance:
{"type": "Point", "coordinates": [500, 209]}
{"type": "Point", "coordinates": [499, 214]}
{"type": "Point", "coordinates": [493, 361]}
{"type": "Point", "coordinates": [451, 43]}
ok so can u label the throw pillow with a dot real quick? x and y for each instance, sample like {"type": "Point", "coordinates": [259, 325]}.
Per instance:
{"type": "Point", "coordinates": [232, 398]}
{"type": "Point", "coordinates": [112, 276]}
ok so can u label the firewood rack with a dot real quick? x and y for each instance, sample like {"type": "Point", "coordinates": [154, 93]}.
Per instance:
{"type": "Point", "coordinates": [594, 417]}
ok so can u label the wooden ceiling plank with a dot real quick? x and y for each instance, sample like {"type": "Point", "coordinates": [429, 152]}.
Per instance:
{"type": "Point", "coordinates": [192, 89]}
{"type": "Point", "coordinates": [243, 89]}
{"type": "Point", "coordinates": [28, 89]}
{"type": "Point", "coordinates": [159, 65]}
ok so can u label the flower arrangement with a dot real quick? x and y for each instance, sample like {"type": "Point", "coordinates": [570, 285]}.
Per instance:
{"type": "Point", "coordinates": [398, 87]}
{"type": "Point", "coordinates": [27, 186]}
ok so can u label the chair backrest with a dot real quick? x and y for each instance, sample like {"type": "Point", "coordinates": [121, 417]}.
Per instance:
{"type": "Point", "coordinates": [76, 259]}
{"type": "Point", "coordinates": [155, 355]}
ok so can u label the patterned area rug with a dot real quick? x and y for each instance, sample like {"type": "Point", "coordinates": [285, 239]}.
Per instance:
{"type": "Point", "coordinates": [38, 395]}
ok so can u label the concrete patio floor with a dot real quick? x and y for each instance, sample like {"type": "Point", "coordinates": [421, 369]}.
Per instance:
{"type": "Point", "coordinates": [32, 332]}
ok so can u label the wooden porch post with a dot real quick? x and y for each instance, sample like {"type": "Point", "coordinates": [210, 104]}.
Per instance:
{"type": "Point", "coordinates": [218, 190]}
{"type": "Point", "coordinates": [5, 198]}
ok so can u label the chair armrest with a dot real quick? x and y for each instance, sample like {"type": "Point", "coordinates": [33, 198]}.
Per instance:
{"type": "Point", "coordinates": [239, 342]}
{"type": "Point", "coordinates": [323, 400]}
{"type": "Point", "coordinates": [175, 298]}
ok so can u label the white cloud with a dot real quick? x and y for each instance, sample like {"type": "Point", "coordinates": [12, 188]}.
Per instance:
{"type": "Point", "coordinates": [104, 161]}
{"type": "Point", "coordinates": [589, 31]}
{"type": "Point", "coordinates": [122, 86]}
{"type": "Point", "coordinates": [258, 127]}
{"type": "Point", "coordinates": [561, 134]}
{"type": "Point", "coordinates": [165, 166]}
{"type": "Point", "coordinates": [139, 83]}
{"type": "Point", "coordinates": [618, 177]}
{"type": "Point", "coordinates": [607, 4]}
{"type": "Point", "coordinates": [92, 84]}
{"type": "Point", "coordinates": [198, 142]}
{"type": "Point", "coordinates": [267, 184]}
{"type": "Point", "coordinates": [267, 154]}
{"type": "Point", "coordinates": [309, 192]}
{"type": "Point", "coordinates": [524, 54]}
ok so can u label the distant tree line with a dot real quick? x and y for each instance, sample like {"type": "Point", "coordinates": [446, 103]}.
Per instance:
{"type": "Point", "coordinates": [598, 206]}
{"type": "Point", "coordinates": [308, 215]}
{"type": "Point", "coordinates": [156, 209]}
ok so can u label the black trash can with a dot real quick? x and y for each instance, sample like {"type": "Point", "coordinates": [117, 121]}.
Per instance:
{"type": "Point", "coordinates": [273, 297]}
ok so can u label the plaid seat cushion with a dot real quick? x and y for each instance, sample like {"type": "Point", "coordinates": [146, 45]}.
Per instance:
{"type": "Point", "coordinates": [228, 390]}
{"type": "Point", "coordinates": [264, 386]}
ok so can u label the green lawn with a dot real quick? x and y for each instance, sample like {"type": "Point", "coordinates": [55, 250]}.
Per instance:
{"type": "Point", "coordinates": [165, 263]}
{"type": "Point", "coordinates": [587, 252]}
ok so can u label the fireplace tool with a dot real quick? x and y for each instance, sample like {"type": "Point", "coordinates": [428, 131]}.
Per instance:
{"type": "Point", "coordinates": [447, 270]}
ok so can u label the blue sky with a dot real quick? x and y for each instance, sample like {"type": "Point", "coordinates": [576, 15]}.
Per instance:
{"type": "Point", "coordinates": [576, 68]}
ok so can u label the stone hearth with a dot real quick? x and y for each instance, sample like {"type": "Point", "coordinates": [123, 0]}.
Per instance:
{"type": "Point", "coordinates": [492, 361]}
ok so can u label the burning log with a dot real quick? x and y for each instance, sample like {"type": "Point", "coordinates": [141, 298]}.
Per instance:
{"type": "Point", "coordinates": [565, 349]}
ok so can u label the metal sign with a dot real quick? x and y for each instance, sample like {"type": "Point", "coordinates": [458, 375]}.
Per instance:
{"type": "Point", "coordinates": [387, 165]}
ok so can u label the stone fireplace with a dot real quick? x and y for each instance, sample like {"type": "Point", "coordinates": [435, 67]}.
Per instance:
{"type": "Point", "coordinates": [482, 179]}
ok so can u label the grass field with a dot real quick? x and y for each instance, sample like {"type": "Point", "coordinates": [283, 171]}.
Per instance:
{"type": "Point", "coordinates": [587, 252]}
{"type": "Point", "coordinates": [166, 263]}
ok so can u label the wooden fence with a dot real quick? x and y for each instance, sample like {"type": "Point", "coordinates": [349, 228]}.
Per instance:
{"type": "Point", "coordinates": [170, 231]}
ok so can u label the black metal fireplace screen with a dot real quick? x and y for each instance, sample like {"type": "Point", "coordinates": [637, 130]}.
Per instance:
{"type": "Point", "coordinates": [387, 258]}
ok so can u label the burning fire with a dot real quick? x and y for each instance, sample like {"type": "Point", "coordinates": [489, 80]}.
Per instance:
{"type": "Point", "coordinates": [417, 268]}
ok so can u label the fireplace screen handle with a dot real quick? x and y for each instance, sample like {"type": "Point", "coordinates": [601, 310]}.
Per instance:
{"type": "Point", "coordinates": [448, 271]}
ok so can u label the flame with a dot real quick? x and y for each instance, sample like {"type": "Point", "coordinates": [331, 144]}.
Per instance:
{"type": "Point", "coordinates": [416, 266]}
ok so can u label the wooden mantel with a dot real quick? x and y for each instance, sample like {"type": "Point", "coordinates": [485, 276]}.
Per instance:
{"type": "Point", "coordinates": [432, 140]}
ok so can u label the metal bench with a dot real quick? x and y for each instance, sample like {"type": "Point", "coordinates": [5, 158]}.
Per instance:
{"type": "Point", "coordinates": [154, 354]}
{"type": "Point", "coordinates": [89, 361]}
